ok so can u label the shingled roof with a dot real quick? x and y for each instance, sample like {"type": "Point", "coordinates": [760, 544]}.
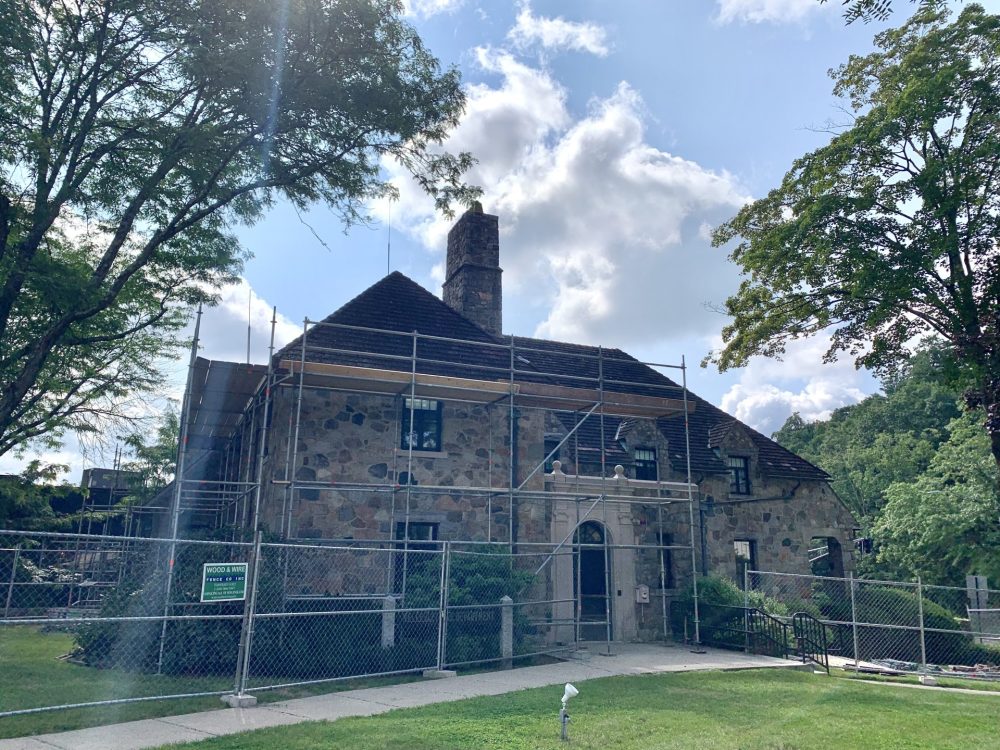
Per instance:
{"type": "Point", "coordinates": [383, 317]}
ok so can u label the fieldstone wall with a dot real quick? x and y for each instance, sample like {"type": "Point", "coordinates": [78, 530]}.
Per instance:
{"type": "Point", "coordinates": [351, 483]}
{"type": "Point", "coordinates": [780, 516]}
{"type": "Point", "coordinates": [354, 481]}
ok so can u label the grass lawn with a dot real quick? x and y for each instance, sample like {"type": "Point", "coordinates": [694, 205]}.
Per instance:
{"type": "Point", "coordinates": [945, 682]}
{"type": "Point", "coordinates": [750, 710]}
{"type": "Point", "coordinates": [32, 675]}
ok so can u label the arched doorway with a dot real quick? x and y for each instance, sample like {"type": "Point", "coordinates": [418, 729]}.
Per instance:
{"type": "Point", "coordinates": [590, 581]}
{"type": "Point", "coordinates": [826, 557]}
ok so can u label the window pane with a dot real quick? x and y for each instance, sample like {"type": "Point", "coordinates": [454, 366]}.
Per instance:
{"type": "Point", "coordinates": [425, 433]}
{"type": "Point", "coordinates": [739, 469]}
{"type": "Point", "coordinates": [645, 464]}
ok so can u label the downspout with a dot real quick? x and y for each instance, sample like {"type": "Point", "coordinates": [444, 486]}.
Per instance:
{"type": "Point", "coordinates": [702, 513]}
{"type": "Point", "coordinates": [514, 433]}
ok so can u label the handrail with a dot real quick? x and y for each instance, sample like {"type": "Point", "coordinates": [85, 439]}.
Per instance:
{"type": "Point", "coordinates": [773, 630]}
{"type": "Point", "coordinates": [811, 639]}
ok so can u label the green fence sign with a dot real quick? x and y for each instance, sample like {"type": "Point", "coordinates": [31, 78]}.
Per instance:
{"type": "Point", "coordinates": [224, 582]}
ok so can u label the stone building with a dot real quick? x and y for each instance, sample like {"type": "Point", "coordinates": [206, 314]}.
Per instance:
{"type": "Point", "coordinates": [410, 420]}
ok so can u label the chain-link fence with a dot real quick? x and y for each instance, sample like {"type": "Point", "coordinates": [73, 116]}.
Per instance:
{"type": "Point", "coordinates": [892, 626]}
{"type": "Point", "coordinates": [140, 618]}
{"type": "Point", "coordinates": [125, 616]}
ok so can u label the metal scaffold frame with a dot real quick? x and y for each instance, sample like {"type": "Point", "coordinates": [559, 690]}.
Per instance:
{"type": "Point", "coordinates": [236, 499]}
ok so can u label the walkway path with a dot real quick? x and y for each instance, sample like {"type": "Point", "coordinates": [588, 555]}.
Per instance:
{"type": "Point", "coordinates": [627, 659]}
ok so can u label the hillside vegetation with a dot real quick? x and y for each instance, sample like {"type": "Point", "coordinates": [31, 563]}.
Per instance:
{"type": "Point", "coordinates": [916, 471]}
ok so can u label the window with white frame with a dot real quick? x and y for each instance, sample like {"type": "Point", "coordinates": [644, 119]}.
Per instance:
{"type": "Point", "coordinates": [425, 432]}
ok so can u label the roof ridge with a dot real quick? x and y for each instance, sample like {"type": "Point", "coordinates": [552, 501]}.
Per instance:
{"type": "Point", "coordinates": [372, 292]}
{"type": "Point", "coordinates": [396, 304]}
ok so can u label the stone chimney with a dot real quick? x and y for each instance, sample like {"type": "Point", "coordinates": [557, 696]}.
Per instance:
{"type": "Point", "coordinates": [472, 274]}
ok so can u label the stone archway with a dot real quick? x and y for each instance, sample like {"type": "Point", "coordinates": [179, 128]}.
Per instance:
{"type": "Point", "coordinates": [826, 556]}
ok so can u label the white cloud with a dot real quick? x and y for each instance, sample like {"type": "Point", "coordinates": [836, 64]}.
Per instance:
{"type": "Point", "coordinates": [557, 33]}
{"type": "Point", "coordinates": [766, 11]}
{"type": "Point", "coordinates": [224, 327]}
{"type": "Point", "coordinates": [428, 8]}
{"type": "Point", "coordinates": [69, 456]}
{"type": "Point", "coordinates": [603, 229]}
{"type": "Point", "coordinates": [769, 390]}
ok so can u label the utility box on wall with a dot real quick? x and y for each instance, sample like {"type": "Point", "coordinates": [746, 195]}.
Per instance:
{"type": "Point", "coordinates": [642, 594]}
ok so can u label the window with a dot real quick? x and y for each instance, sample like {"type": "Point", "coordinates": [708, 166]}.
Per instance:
{"type": "Point", "coordinates": [425, 435]}
{"type": "Point", "coordinates": [739, 471]}
{"type": "Point", "coordinates": [746, 558]}
{"type": "Point", "coordinates": [666, 561]}
{"type": "Point", "coordinates": [423, 539]}
{"type": "Point", "coordinates": [645, 464]}
{"type": "Point", "coordinates": [551, 444]}
{"type": "Point", "coordinates": [420, 534]}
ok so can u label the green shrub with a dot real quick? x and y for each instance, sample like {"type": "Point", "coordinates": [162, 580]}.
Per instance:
{"type": "Point", "coordinates": [325, 638]}
{"type": "Point", "coordinates": [720, 611]}
{"type": "Point", "coordinates": [203, 646]}
{"type": "Point", "coordinates": [894, 606]}
{"type": "Point", "coordinates": [476, 583]}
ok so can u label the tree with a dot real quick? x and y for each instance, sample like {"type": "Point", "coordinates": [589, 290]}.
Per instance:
{"type": "Point", "coordinates": [154, 456]}
{"type": "Point", "coordinates": [134, 135]}
{"type": "Point", "coordinates": [34, 501]}
{"type": "Point", "coordinates": [873, 10]}
{"type": "Point", "coordinates": [890, 231]}
{"type": "Point", "coordinates": [946, 524]}
{"type": "Point", "coordinates": [888, 437]}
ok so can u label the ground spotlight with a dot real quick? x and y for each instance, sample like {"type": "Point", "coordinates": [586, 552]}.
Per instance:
{"type": "Point", "coordinates": [568, 692]}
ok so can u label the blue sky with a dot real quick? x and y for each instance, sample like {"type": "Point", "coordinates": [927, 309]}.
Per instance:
{"type": "Point", "coordinates": [611, 138]}
{"type": "Point", "coordinates": [646, 123]}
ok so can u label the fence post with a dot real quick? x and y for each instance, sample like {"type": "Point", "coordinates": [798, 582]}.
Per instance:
{"type": "Point", "coordinates": [920, 614]}
{"type": "Point", "coordinates": [443, 607]}
{"type": "Point", "coordinates": [389, 622]}
{"type": "Point", "coordinates": [13, 576]}
{"type": "Point", "coordinates": [854, 620]}
{"type": "Point", "coordinates": [977, 589]}
{"type": "Point", "coordinates": [507, 631]}
{"type": "Point", "coordinates": [246, 632]}
{"type": "Point", "coordinates": [746, 609]}
{"type": "Point", "coordinates": [167, 589]}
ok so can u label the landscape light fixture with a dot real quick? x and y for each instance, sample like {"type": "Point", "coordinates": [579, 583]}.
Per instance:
{"type": "Point", "coordinates": [568, 692]}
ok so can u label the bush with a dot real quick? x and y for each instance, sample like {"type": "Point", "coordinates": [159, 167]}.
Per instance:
{"type": "Point", "coordinates": [476, 583]}
{"type": "Point", "coordinates": [203, 646]}
{"type": "Point", "coordinates": [720, 611]}
{"type": "Point", "coordinates": [893, 606]}
{"type": "Point", "coordinates": [325, 638]}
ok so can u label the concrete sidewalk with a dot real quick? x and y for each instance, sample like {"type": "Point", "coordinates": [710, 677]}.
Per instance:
{"type": "Point", "coordinates": [626, 659]}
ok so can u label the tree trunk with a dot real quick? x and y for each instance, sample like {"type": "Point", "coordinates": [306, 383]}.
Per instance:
{"type": "Point", "coordinates": [991, 405]}
{"type": "Point", "coordinates": [994, 429]}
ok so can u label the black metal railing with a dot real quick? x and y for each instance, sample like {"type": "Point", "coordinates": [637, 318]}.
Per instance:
{"type": "Point", "coordinates": [755, 631]}
{"type": "Point", "coordinates": [767, 635]}
{"type": "Point", "coordinates": [811, 640]}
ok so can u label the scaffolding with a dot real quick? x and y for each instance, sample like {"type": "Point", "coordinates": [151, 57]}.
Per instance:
{"type": "Point", "coordinates": [230, 467]}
